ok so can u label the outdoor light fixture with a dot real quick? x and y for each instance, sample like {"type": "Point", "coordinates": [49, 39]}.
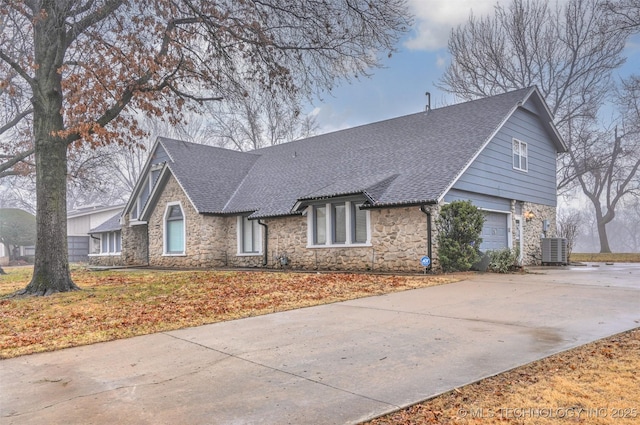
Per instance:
{"type": "Point", "coordinates": [529, 215]}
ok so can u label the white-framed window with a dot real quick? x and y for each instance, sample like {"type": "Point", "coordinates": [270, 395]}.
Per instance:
{"type": "Point", "coordinates": [145, 191]}
{"type": "Point", "coordinates": [106, 243]}
{"type": "Point", "coordinates": [249, 236]}
{"type": "Point", "coordinates": [520, 155]}
{"type": "Point", "coordinates": [174, 229]}
{"type": "Point", "coordinates": [338, 224]}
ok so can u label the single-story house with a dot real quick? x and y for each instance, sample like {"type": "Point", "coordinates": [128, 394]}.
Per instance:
{"type": "Point", "coordinates": [79, 222]}
{"type": "Point", "coordinates": [106, 241]}
{"type": "Point", "coordinates": [363, 198]}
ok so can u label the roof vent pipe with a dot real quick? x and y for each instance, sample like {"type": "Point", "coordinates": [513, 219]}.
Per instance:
{"type": "Point", "coordinates": [428, 107]}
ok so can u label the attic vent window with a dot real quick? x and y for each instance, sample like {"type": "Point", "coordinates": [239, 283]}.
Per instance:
{"type": "Point", "coordinates": [520, 155]}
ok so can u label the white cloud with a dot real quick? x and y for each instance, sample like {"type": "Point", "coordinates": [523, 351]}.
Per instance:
{"type": "Point", "coordinates": [436, 18]}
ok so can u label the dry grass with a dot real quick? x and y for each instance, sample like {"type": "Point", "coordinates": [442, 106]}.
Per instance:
{"type": "Point", "coordinates": [606, 258]}
{"type": "Point", "coordinates": [122, 304]}
{"type": "Point", "coordinates": [594, 384]}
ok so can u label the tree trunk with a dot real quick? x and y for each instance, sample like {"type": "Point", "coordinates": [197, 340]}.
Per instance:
{"type": "Point", "coordinates": [51, 268]}
{"type": "Point", "coordinates": [602, 235]}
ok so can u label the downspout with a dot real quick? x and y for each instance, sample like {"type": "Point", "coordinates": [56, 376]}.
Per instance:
{"type": "Point", "coordinates": [428, 213]}
{"type": "Point", "coordinates": [98, 239]}
{"type": "Point", "coordinates": [265, 243]}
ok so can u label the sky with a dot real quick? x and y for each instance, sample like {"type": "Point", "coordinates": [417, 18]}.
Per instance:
{"type": "Point", "coordinates": [399, 88]}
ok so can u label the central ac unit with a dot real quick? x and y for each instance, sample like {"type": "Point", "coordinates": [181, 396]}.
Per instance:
{"type": "Point", "coordinates": [554, 251]}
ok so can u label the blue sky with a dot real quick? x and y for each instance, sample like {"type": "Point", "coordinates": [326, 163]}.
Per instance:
{"type": "Point", "coordinates": [399, 88]}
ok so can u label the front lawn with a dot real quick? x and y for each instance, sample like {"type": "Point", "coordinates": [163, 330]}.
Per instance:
{"type": "Point", "coordinates": [124, 303]}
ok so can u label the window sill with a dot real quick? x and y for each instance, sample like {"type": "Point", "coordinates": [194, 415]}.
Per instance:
{"type": "Point", "coordinates": [106, 254]}
{"type": "Point", "coordinates": [177, 254]}
{"type": "Point", "coordinates": [248, 254]}
{"type": "Point", "coordinates": [342, 245]}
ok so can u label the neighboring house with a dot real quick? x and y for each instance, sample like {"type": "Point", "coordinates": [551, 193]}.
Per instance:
{"type": "Point", "coordinates": [364, 198]}
{"type": "Point", "coordinates": [23, 251]}
{"type": "Point", "coordinates": [106, 241]}
{"type": "Point", "coordinates": [4, 256]}
{"type": "Point", "coordinates": [79, 222]}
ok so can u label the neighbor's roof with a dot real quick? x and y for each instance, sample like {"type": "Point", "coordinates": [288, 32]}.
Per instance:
{"type": "Point", "coordinates": [92, 209]}
{"type": "Point", "coordinates": [408, 160]}
{"type": "Point", "coordinates": [111, 225]}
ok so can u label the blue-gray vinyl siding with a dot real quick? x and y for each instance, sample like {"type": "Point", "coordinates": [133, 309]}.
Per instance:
{"type": "Point", "coordinates": [480, 200]}
{"type": "Point", "coordinates": [492, 172]}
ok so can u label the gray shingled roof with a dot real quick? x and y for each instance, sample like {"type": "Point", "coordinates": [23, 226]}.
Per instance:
{"type": "Point", "coordinates": [111, 225]}
{"type": "Point", "coordinates": [407, 160]}
{"type": "Point", "coordinates": [210, 175]}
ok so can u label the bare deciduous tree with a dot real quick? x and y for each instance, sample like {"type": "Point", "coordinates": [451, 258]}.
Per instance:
{"type": "Point", "coordinates": [607, 161]}
{"type": "Point", "coordinates": [569, 224]}
{"type": "Point", "coordinates": [88, 66]}
{"type": "Point", "coordinates": [625, 14]}
{"type": "Point", "coordinates": [569, 53]}
{"type": "Point", "coordinates": [563, 51]}
{"type": "Point", "coordinates": [257, 120]}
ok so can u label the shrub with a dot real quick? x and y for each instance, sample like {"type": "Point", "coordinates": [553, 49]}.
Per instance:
{"type": "Point", "coordinates": [502, 261]}
{"type": "Point", "coordinates": [459, 228]}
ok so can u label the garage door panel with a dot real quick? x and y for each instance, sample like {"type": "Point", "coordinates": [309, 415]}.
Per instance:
{"type": "Point", "coordinates": [495, 232]}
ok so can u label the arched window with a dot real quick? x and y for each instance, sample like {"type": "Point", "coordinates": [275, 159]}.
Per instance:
{"type": "Point", "coordinates": [174, 230]}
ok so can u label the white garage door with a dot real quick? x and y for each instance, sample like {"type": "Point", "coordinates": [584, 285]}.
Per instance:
{"type": "Point", "coordinates": [494, 232]}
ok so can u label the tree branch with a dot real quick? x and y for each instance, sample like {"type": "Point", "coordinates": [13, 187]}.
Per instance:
{"type": "Point", "coordinates": [15, 121]}
{"type": "Point", "coordinates": [5, 168]}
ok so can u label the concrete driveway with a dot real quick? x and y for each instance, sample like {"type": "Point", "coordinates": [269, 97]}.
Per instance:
{"type": "Point", "coordinates": [332, 364]}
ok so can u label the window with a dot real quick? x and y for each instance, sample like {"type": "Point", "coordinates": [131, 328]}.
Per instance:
{"type": "Point", "coordinates": [359, 227]}
{"type": "Point", "coordinates": [107, 243]}
{"type": "Point", "coordinates": [338, 224]}
{"type": "Point", "coordinates": [174, 230]}
{"type": "Point", "coordinates": [520, 155]}
{"type": "Point", "coordinates": [320, 225]}
{"type": "Point", "coordinates": [249, 236]}
{"type": "Point", "coordinates": [145, 191]}
{"type": "Point", "coordinates": [339, 217]}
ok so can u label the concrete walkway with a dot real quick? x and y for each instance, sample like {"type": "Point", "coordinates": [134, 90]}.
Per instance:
{"type": "Point", "coordinates": [332, 364]}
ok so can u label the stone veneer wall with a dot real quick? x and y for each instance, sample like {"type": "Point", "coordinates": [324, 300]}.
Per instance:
{"type": "Point", "coordinates": [533, 231]}
{"type": "Point", "coordinates": [135, 250]}
{"type": "Point", "coordinates": [205, 235]}
{"type": "Point", "coordinates": [398, 241]}
{"type": "Point", "coordinates": [106, 260]}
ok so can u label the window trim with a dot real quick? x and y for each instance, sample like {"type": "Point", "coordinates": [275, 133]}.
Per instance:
{"type": "Point", "coordinates": [349, 206]}
{"type": "Point", "coordinates": [240, 221]}
{"type": "Point", "coordinates": [110, 237]}
{"type": "Point", "coordinates": [148, 184]}
{"type": "Point", "coordinates": [520, 156]}
{"type": "Point", "coordinates": [165, 251]}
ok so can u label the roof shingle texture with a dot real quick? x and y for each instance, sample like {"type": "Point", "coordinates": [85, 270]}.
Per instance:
{"type": "Point", "coordinates": [111, 225]}
{"type": "Point", "coordinates": [406, 160]}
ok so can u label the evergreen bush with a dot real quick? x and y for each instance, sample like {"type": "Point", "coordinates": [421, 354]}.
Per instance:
{"type": "Point", "coordinates": [459, 228]}
{"type": "Point", "coordinates": [503, 260]}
